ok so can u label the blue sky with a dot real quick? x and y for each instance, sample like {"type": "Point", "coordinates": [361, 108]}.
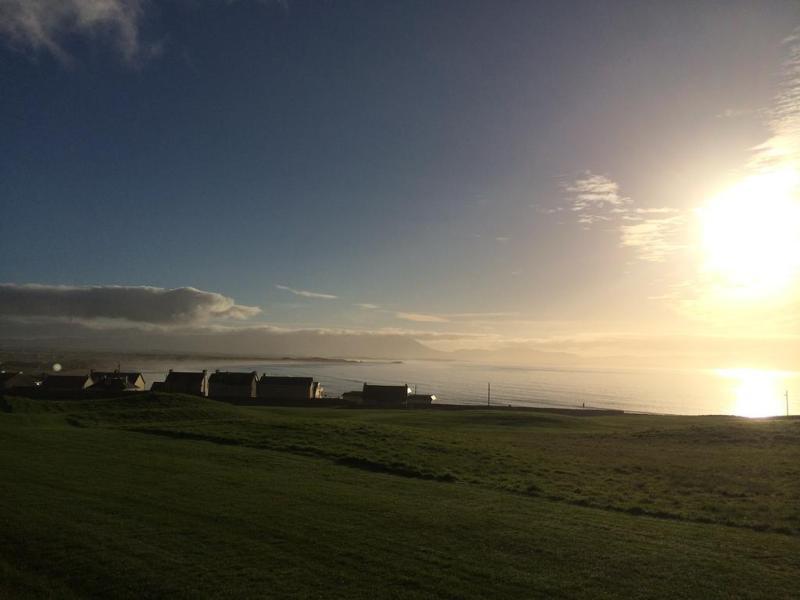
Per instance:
{"type": "Point", "coordinates": [421, 157]}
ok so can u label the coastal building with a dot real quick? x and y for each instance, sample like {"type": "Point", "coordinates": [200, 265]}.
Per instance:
{"type": "Point", "coordinates": [186, 382]}
{"type": "Point", "coordinates": [17, 380]}
{"type": "Point", "coordinates": [232, 385]}
{"type": "Point", "coordinates": [288, 388]}
{"type": "Point", "coordinates": [385, 395]}
{"type": "Point", "coordinates": [132, 379]}
{"type": "Point", "coordinates": [114, 383]}
{"type": "Point", "coordinates": [67, 383]}
{"type": "Point", "coordinates": [420, 400]}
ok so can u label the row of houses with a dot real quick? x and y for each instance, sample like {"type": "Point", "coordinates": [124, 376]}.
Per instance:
{"type": "Point", "coordinates": [110, 381]}
{"type": "Point", "coordinates": [224, 385]}
{"type": "Point", "coordinates": [233, 384]}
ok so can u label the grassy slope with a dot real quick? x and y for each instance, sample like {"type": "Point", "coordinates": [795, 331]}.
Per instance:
{"type": "Point", "coordinates": [187, 497]}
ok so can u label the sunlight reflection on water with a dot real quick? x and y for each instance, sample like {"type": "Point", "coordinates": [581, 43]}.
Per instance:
{"type": "Point", "coordinates": [757, 393]}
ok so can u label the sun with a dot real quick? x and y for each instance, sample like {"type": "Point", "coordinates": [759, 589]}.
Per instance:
{"type": "Point", "coordinates": [750, 235]}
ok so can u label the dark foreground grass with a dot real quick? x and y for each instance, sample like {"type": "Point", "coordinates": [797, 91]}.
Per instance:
{"type": "Point", "coordinates": [177, 497]}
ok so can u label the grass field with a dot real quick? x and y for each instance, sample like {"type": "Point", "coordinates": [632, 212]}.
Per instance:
{"type": "Point", "coordinates": [169, 496]}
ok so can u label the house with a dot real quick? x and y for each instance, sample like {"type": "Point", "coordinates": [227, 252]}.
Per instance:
{"type": "Point", "coordinates": [66, 383]}
{"type": "Point", "coordinates": [158, 386]}
{"type": "Point", "coordinates": [186, 382]}
{"type": "Point", "coordinates": [288, 388]}
{"type": "Point", "coordinates": [232, 385]}
{"type": "Point", "coordinates": [385, 395]}
{"type": "Point", "coordinates": [420, 400]}
{"type": "Point", "coordinates": [15, 380]}
{"type": "Point", "coordinates": [114, 383]}
{"type": "Point", "coordinates": [134, 379]}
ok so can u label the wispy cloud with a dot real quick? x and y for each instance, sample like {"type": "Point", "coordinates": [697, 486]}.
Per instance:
{"type": "Point", "coordinates": [732, 113]}
{"type": "Point", "coordinates": [481, 315]}
{"type": "Point", "coordinates": [654, 233]}
{"type": "Point", "coordinates": [420, 318]}
{"type": "Point", "coordinates": [782, 148]}
{"type": "Point", "coordinates": [366, 306]}
{"type": "Point", "coordinates": [45, 25]}
{"type": "Point", "coordinates": [503, 239]}
{"type": "Point", "coordinates": [595, 197]}
{"type": "Point", "coordinates": [306, 293]}
{"type": "Point", "coordinates": [135, 304]}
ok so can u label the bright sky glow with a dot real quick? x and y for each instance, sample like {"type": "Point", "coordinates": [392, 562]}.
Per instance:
{"type": "Point", "coordinates": [751, 236]}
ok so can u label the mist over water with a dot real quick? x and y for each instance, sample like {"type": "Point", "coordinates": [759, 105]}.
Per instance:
{"type": "Point", "coordinates": [745, 392]}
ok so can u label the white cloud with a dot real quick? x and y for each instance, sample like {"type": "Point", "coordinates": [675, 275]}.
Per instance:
{"type": "Point", "coordinates": [306, 294]}
{"type": "Point", "coordinates": [594, 198]}
{"type": "Point", "coordinates": [503, 239]}
{"type": "Point", "coordinates": [782, 148]}
{"type": "Point", "coordinates": [136, 304]}
{"type": "Point", "coordinates": [654, 233]}
{"type": "Point", "coordinates": [654, 238]}
{"type": "Point", "coordinates": [366, 306]}
{"type": "Point", "coordinates": [420, 318]}
{"type": "Point", "coordinates": [44, 25]}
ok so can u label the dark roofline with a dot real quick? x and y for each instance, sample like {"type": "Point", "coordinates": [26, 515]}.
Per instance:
{"type": "Point", "coordinates": [190, 375]}
{"type": "Point", "coordinates": [286, 380]}
{"type": "Point", "coordinates": [233, 377]}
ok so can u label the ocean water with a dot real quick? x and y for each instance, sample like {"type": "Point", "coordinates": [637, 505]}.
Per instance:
{"type": "Point", "coordinates": [744, 392]}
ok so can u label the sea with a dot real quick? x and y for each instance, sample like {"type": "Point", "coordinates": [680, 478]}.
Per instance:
{"type": "Point", "coordinates": [742, 392]}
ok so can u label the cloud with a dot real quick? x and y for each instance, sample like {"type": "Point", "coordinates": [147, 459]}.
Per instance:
{"type": "Point", "coordinates": [481, 315]}
{"type": "Point", "coordinates": [782, 148]}
{"type": "Point", "coordinates": [654, 233]}
{"type": "Point", "coordinates": [732, 113]}
{"type": "Point", "coordinates": [594, 197]}
{"type": "Point", "coordinates": [306, 294]}
{"type": "Point", "coordinates": [366, 306]}
{"type": "Point", "coordinates": [420, 318]}
{"type": "Point", "coordinates": [655, 238]}
{"type": "Point", "coordinates": [46, 25]}
{"type": "Point", "coordinates": [503, 238]}
{"type": "Point", "coordinates": [135, 304]}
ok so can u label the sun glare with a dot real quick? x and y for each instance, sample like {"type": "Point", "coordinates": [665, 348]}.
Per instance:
{"type": "Point", "coordinates": [756, 393]}
{"type": "Point", "coordinates": [751, 235]}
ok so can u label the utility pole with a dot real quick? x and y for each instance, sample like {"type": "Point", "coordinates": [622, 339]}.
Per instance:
{"type": "Point", "coordinates": [489, 394]}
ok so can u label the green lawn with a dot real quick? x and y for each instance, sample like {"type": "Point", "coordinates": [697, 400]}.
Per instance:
{"type": "Point", "coordinates": [178, 497]}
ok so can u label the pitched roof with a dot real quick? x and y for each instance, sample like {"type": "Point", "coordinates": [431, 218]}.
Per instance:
{"type": "Point", "coordinates": [304, 381]}
{"type": "Point", "coordinates": [116, 384]}
{"type": "Point", "coordinates": [77, 382]}
{"type": "Point", "coordinates": [368, 387]}
{"type": "Point", "coordinates": [232, 378]}
{"type": "Point", "coordinates": [385, 392]}
{"type": "Point", "coordinates": [185, 377]}
{"type": "Point", "coordinates": [131, 376]}
{"type": "Point", "coordinates": [6, 375]}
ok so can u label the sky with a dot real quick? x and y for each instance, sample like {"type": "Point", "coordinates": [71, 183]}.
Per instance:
{"type": "Point", "coordinates": [604, 178]}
